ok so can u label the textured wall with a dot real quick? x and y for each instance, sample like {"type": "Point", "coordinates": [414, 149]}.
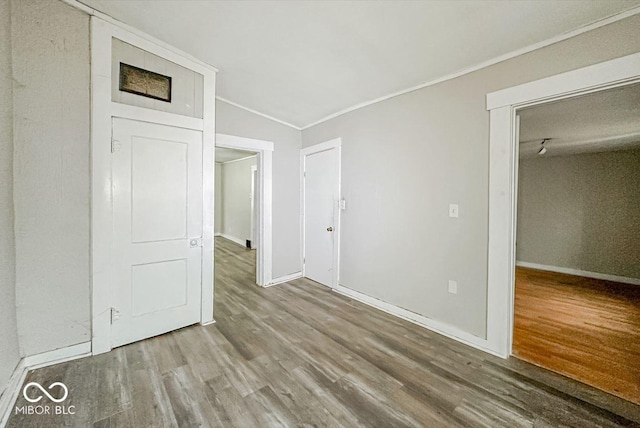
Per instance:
{"type": "Point", "coordinates": [286, 179]}
{"type": "Point", "coordinates": [405, 159]}
{"type": "Point", "coordinates": [51, 174]}
{"type": "Point", "coordinates": [581, 212]}
{"type": "Point", "coordinates": [236, 204]}
{"type": "Point", "coordinates": [9, 354]}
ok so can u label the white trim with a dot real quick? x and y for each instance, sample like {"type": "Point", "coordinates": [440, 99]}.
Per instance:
{"type": "Point", "coordinates": [12, 391]}
{"type": "Point", "coordinates": [578, 272]}
{"type": "Point", "coordinates": [428, 323]}
{"type": "Point", "coordinates": [204, 324]}
{"type": "Point", "coordinates": [284, 278]}
{"type": "Point", "coordinates": [193, 62]}
{"type": "Point", "coordinates": [609, 73]}
{"type": "Point", "coordinates": [485, 64]}
{"type": "Point", "coordinates": [264, 263]}
{"type": "Point", "coordinates": [233, 239]}
{"type": "Point", "coordinates": [321, 147]}
{"type": "Point", "coordinates": [336, 144]}
{"type": "Point", "coordinates": [238, 160]}
{"type": "Point", "coordinates": [58, 356]}
{"type": "Point", "coordinates": [253, 235]}
{"type": "Point", "coordinates": [503, 162]}
{"type": "Point", "coordinates": [103, 30]}
{"type": "Point", "coordinates": [154, 116]}
{"type": "Point", "coordinates": [32, 362]}
{"type": "Point", "coordinates": [266, 116]}
{"type": "Point", "coordinates": [243, 143]}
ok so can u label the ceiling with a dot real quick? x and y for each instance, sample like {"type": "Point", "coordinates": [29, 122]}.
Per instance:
{"type": "Point", "coordinates": [225, 155]}
{"type": "Point", "coordinates": [601, 121]}
{"type": "Point", "coordinates": [301, 61]}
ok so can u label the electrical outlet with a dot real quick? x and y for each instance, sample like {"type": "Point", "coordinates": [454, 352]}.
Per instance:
{"type": "Point", "coordinates": [453, 210]}
{"type": "Point", "coordinates": [453, 287]}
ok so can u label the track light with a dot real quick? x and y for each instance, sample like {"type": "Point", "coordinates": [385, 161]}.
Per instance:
{"type": "Point", "coordinates": [543, 149]}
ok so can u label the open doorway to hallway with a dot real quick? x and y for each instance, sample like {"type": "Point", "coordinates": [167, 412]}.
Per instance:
{"type": "Point", "coordinates": [236, 204]}
{"type": "Point", "coordinates": [577, 295]}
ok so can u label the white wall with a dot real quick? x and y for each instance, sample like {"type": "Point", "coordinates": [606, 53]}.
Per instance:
{"type": "Point", "coordinates": [217, 208]}
{"type": "Point", "coordinates": [51, 174]}
{"type": "Point", "coordinates": [9, 354]}
{"type": "Point", "coordinates": [405, 159]}
{"type": "Point", "coordinates": [286, 179]}
{"type": "Point", "coordinates": [581, 212]}
{"type": "Point", "coordinates": [236, 203]}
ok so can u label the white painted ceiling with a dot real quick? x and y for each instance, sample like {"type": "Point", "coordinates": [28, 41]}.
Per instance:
{"type": "Point", "coordinates": [225, 155]}
{"type": "Point", "coordinates": [601, 121]}
{"type": "Point", "coordinates": [300, 61]}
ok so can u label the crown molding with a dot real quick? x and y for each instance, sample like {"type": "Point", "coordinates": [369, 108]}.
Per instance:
{"type": "Point", "coordinates": [556, 39]}
{"type": "Point", "coordinates": [250, 110]}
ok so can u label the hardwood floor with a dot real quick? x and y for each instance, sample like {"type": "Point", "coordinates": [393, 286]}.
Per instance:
{"type": "Point", "coordinates": [583, 328]}
{"type": "Point", "coordinates": [298, 354]}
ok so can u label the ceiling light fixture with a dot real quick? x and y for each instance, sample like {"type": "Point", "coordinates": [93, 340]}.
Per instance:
{"type": "Point", "coordinates": [543, 149]}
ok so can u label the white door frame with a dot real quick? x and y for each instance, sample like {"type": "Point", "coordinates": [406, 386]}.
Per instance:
{"type": "Point", "coordinates": [316, 148]}
{"type": "Point", "coordinates": [503, 165]}
{"type": "Point", "coordinates": [102, 111]}
{"type": "Point", "coordinates": [253, 236]}
{"type": "Point", "coordinates": [265, 210]}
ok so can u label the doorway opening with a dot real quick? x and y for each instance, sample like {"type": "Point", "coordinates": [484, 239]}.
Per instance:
{"type": "Point", "coordinates": [236, 204]}
{"type": "Point", "coordinates": [503, 154]}
{"type": "Point", "coordinates": [577, 274]}
{"type": "Point", "coordinates": [243, 206]}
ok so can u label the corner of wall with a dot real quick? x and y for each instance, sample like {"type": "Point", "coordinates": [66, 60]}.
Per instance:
{"type": "Point", "coordinates": [10, 350]}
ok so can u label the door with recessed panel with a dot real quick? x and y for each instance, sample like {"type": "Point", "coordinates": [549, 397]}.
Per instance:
{"type": "Point", "coordinates": [320, 198]}
{"type": "Point", "coordinates": [157, 229]}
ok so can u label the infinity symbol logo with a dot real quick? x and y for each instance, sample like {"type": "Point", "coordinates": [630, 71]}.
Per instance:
{"type": "Point", "coordinates": [44, 391]}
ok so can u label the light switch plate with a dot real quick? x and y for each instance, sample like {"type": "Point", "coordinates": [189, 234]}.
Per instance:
{"type": "Point", "coordinates": [453, 210]}
{"type": "Point", "coordinates": [453, 287]}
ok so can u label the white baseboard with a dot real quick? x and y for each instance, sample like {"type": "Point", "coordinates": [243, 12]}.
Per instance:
{"type": "Point", "coordinates": [428, 323]}
{"type": "Point", "coordinates": [284, 278]}
{"type": "Point", "coordinates": [234, 239]}
{"type": "Point", "coordinates": [208, 323]}
{"type": "Point", "coordinates": [11, 392]}
{"type": "Point", "coordinates": [578, 272]}
{"type": "Point", "coordinates": [217, 234]}
{"type": "Point", "coordinates": [58, 356]}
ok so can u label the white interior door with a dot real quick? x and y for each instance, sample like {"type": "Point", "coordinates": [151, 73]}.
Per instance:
{"type": "Point", "coordinates": [157, 230]}
{"type": "Point", "coordinates": [320, 212]}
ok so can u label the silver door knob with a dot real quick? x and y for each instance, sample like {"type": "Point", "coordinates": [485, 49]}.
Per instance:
{"type": "Point", "coordinates": [329, 229]}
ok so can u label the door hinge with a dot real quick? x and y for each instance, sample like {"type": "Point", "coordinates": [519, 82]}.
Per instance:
{"type": "Point", "coordinates": [115, 315]}
{"type": "Point", "coordinates": [115, 146]}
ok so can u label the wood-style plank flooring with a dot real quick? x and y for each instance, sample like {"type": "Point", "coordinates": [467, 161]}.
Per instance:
{"type": "Point", "coordinates": [300, 355]}
{"type": "Point", "coordinates": [584, 328]}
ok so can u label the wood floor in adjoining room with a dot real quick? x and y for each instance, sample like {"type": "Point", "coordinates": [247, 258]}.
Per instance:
{"type": "Point", "coordinates": [584, 328]}
{"type": "Point", "coordinates": [298, 354]}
